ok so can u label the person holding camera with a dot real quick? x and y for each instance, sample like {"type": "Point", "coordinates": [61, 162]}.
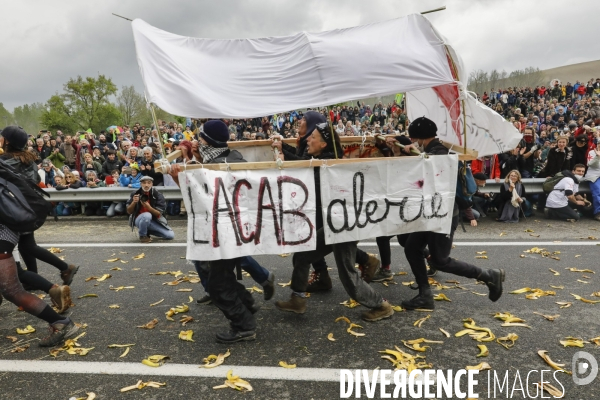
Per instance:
{"type": "Point", "coordinates": [146, 207]}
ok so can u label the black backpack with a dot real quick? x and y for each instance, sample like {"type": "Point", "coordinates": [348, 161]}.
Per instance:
{"type": "Point", "coordinates": [23, 207]}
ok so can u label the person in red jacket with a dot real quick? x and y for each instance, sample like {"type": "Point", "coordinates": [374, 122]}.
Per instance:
{"type": "Point", "coordinates": [581, 90]}
{"type": "Point", "coordinates": [487, 165]}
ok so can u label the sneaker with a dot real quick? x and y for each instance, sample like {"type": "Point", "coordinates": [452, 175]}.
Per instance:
{"type": "Point", "coordinates": [431, 272]}
{"type": "Point", "coordinates": [319, 281]}
{"type": "Point", "coordinates": [235, 336]}
{"type": "Point", "coordinates": [369, 269]}
{"type": "Point", "coordinates": [145, 239]}
{"type": "Point", "coordinates": [61, 297]}
{"type": "Point", "coordinates": [385, 310]}
{"type": "Point", "coordinates": [383, 274]}
{"type": "Point", "coordinates": [423, 300]}
{"type": "Point", "coordinates": [269, 287]}
{"type": "Point", "coordinates": [493, 278]}
{"type": "Point", "coordinates": [68, 274]}
{"type": "Point", "coordinates": [296, 304]}
{"type": "Point", "coordinates": [59, 331]}
{"type": "Point", "coordinates": [204, 300]}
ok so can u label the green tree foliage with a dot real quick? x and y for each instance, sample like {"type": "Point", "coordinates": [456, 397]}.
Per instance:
{"type": "Point", "coordinates": [84, 104]}
{"type": "Point", "coordinates": [29, 117]}
{"type": "Point", "coordinates": [6, 118]}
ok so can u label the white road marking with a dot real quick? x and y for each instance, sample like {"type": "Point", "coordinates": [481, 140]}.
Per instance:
{"type": "Point", "coordinates": [168, 369]}
{"type": "Point", "coordinates": [364, 244]}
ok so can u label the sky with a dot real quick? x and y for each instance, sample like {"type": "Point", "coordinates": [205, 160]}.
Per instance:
{"type": "Point", "coordinates": [44, 43]}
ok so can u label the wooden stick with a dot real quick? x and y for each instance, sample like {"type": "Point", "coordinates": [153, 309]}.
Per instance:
{"type": "Point", "coordinates": [434, 10]}
{"type": "Point", "coordinates": [120, 16]}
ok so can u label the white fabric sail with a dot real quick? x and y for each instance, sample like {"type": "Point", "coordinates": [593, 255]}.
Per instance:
{"type": "Point", "coordinates": [246, 78]}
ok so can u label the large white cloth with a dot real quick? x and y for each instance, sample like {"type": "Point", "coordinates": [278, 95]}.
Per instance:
{"type": "Point", "coordinates": [246, 78]}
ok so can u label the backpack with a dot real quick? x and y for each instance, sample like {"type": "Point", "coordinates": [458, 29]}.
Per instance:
{"type": "Point", "coordinates": [551, 181]}
{"type": "Point", "coordinates": [465, 186]}
{"type": "Point", "coordinates": [23, 207]}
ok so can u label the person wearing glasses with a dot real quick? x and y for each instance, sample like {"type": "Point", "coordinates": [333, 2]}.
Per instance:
{"type": "Point", "coordinates": [324, 143]}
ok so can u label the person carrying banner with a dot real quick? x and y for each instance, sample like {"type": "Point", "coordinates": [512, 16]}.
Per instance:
{"type": "Point", "coordinates": [425, 131]}
{"type": "Point", "coordinates": [230, 296]}
{"type": "Point", "coordinates": [320, 144]}
{"type": "Point", "coordinates": [319, 280]}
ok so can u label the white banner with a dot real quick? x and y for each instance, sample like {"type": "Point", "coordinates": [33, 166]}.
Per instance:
{"type": "Point", "coordinates": [240, 213]}
{"type": "Point", "coordinates": [384, 198]}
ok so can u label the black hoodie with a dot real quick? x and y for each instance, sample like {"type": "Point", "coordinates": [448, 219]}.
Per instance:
{"type": "Point", "coordinates": [299, 152]}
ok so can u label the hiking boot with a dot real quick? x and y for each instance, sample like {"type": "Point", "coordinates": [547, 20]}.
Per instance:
{"type": "Point", "coordinates": [493, 278]}
{"type": "Point", "coordinates": [254, 308]}
{"type": "Point", "coordinates": [145, 239]}
{"type": "Point", "coordinates": [375, 314]}
{"type": "Point", "coordinates": [369, 269]}
{"type": "Point", "coordinates": [59, 331]}
{"type": "Point", "coordinates": [68, 274]}
{"type": "Point", "coordinates": [61, 298]}
{"type": "Point", "coordinates": [423, 300]}
{"type": "Point", "coordinates": [383, 274]}
{"type": "Point", "coordinates": [296, 304]}
{"type": "Point", "coordinates": [235, 336]}
{"type": "Point", "coordinates": [204, 300]}
{"type": "Point", "coordinates": [269, 287]}
{"type": "Point", "coordinates": [319, 281]}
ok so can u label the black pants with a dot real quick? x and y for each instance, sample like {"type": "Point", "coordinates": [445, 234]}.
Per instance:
{"type": "Point", "coordinates": [31, 252]}
{"type": "Point", "coordinates": [385, 251]}
{"type": "Point", "coordinates": [440, 246]}
{"type": "Point", "coordinates": [230, 296]}
{"type": "Point", "coordinates": [361, 258]}
{"type": "Point", "coordinates": [563, 213]}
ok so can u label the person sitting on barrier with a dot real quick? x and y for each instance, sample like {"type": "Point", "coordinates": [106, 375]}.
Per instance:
{"type": "Point", "coordinates": [592, 175]}
{"type": "Point", "coordinates": [146, 207]}
{"type": "Point", "coordinates": [563, 197]}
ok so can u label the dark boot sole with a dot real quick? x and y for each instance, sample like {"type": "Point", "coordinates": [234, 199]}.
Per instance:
{"type": "Point", "coordinates": [425, 307]}
{"type": "Point", "coordinates": [242, 339]}
{"type": "Point", "coordinates": [288, 310]}
{"type": "Point", "coordinates": [68, 283]}
{"type": "Point", "coordinates": [502, 276]}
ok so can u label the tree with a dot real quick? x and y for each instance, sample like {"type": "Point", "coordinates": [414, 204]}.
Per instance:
{"type": "Point", "coordinates": [132, 106]}
{"type": "Point", "coordinates": [84, 104]}
{"type": "Point", "coordinates": [29, 117]}
{"type": "Point", "coordinates": [6, 118]}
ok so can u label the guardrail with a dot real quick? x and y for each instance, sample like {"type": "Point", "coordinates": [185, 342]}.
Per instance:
{"type": "Point", "coordinates": [532, 186]}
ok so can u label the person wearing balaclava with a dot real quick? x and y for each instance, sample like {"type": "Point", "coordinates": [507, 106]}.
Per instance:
{"type": "Point", "coordinates": [579, 146]}
{"type": "Point", "coordinates": [528, 147]}
{"type": "Point", "coordinates": [424, 131]}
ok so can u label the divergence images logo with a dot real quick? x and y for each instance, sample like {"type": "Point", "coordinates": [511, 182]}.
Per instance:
{"type": "Point", "coordinates": [583, 364]}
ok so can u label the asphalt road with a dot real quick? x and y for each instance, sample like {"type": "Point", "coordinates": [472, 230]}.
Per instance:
{"type": "Point", "coordinates": [301, 339]}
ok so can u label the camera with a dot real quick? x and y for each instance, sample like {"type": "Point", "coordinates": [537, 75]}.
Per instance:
{"type": "Point", "coordinates": [144, 198]}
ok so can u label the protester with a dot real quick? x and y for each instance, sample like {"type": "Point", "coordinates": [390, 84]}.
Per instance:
{"type": "Point", "coordinates": [592, 175]}
{"type": "Point", "coordinates": [564, 196]}
{"type": "Point", "coordinates": [511, 197]}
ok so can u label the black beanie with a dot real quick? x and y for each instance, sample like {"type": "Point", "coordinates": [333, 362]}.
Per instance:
{"type": "Point", "coordinates": [422, 128]}
{"type": "Point", "coordinates": [16, 136]}
{"type": "Point", "coordinates": [215, 133]}
{"type": "Point", "coordinates": [313, 118]}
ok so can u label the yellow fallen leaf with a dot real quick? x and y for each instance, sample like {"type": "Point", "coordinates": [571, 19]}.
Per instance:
{"type": "Point", "coordinates": [20, 349]}
{"type": "Point", "coordinates": [397, 308]}
{"type": "Point", "coordinates": [139, 256]}
{"type": "Point", "coordinates": [548, 317]}
{"type": "Point", "coordinates": [234, 382]}
{"type": "Point", "coordinates": [112, 260]}
{"type": "Point", "coordinates": [557, 287]}
{"type": "Point", "coordinates": [481, 367]}
{"type": "Point", "coordinates": [529, 230]}
{"type": "Point", "coordinates": [440, 297]}
{"type": "Point", "coordinates": [552, 390]}
{"type": "Point", "coordinates": [140, 385]}
{"type": "Point", "coordinates": [556, 273]}
{"type": "Point", "coordinates": [116, 269]}
{"type": "Point", "coordinates": [157, 303]}
{"type": "Point", "coordinates": [125, 352]}
{"type": "Point", "coordinates": [408, 283]}
{"type": "Point", "coordinates": [114, 306]}
{"type": "Point", "coordinates": [564, 304]}
{"type": "Point", "coordinates": [589, 271]}
{"type": "Point", "coordinates": [118, 346]}
{"type": "Point", "coordinates": [218, 360]}
{"type": "Point", "coordinates": [155, 361]}
{"type": "Point", "coordinates": [118, 289]}
{"type": "Point", "coordinates": [572, 342]}
{"type": "Point", "coordinates": [481, 252]}
{"type": "Point", "coordinates": [286, 365]}
{"type": "Point", "coordinates": [579, 280]}
{"type": "Point", "coordinates": [12, 338]}
{"type": "Point", "coordinates": [184, 290]}
{"type": "Point", "coordinates": [596, 294]}
{"type": "Point", "coordinates": [285, 284]}
{"type": "Point", "coordinates": [28, 329]}
{"type": "Point", "coordinates": [338, 319]}
{"type": "Point", "coordinates": [444, 332]}
{"type": "Point", "coordinates": [350, 303]}
{"type": "Point", "coordinates": [508, 317]}
{"type": "Point", "coordinates": [585, 300]}
{"type": "Point", "coordinates": [555, 365]}
{"type": "Point", "coordinates": [330, 337]}
{"type": "Point", "coordinates": [418, 323]}
{"type": "Point", "coordinates": [502, 233]}
{"type": "Point", "coordinates": [482, 257]}
{"type": "Point", "coordinates": [104, 277]}
{"type": "Point", "coordinates": [520, 291]}
{"type": "Point", "coordinates": [186, 335]}
{"type": "Point", "coordinates": [350, 331]}
{"type": "Point", "coordinates": [254, 289]}
{"type": "Point", "coordinates": [87, 295]}
{"type": "Point", "coordinates": [185, 319]}
{"type": "Point", "coordinates": [507, 341]}
{"type": "Point", "coordinates": [54, 250]}
{"type": "Point", "coordinates": [479, 294]}
{"type": "Point", "coordinates": [123, 261]}
{"type": "Point", "coordinates": [516, 324]}
{"type": "Point", "coordinates": [595, 340]}
{"type": "Point", "coordinates": [149, 325]}
{"type": "Point", "coordinates": [483, 350]}
{"type": "Point", "coordinates": [285, 255]}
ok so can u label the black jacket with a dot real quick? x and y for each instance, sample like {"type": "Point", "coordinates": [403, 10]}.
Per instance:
{"type": "Point", "coordinates": [110, 166]}
{"type": "Point", "coordinates": [157, 201]}
{"type": "Point", "coordinates": [556, 162]}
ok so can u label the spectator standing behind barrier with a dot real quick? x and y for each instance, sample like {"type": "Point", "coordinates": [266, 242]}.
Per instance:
{"type": "Point", "coordinates": [111, 163]}
{"type": "Point", "coordinates": [47, 173]}
{"type": "Point", "coordinates": [56, 157]}
{"type": "Point", "coordinates": [563, 197]}
{"type": "Point", "coordinates": [146, 207]}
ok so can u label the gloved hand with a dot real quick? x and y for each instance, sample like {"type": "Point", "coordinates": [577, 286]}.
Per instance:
{"type": "Point", "coordinates": [533, 148]}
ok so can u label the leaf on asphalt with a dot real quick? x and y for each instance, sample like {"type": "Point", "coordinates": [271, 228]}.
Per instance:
{"type": "Point", "coordinates": [140, 385]}
{"type": "Point", "coordinates": [125, 352]}
{"type": "Point", "coordinates": [572, 269]}
{"type": "Point", "coordinates": [548, 317]}
{"type": "Point", "coordinates": [397, 308]}
{"type": "Point", "coordinates": [350, 303]}
{"type": "Point", "coordinates": [508, 317]}
{"type": "Point", "coordinates": [285, 284]}
{"type": "Point", "coordinates": [184, 290]}
{"type": "Point", "coordinates": [254, 289]}
{"type": "Point", "coordinates": [118, 346]}
{"type": "Point", "coordinates": [481, 252]}
{"type": "Point", "coordinates": [552, 390]}
{"type": "Point", "coordinates": [481, 334]}
{"type": "Point", "coordinates": [157, 303]}
{"type": "Point", "coordinates": [418, 323]}
{"type": "Point", "coordinates": [502, 233]}
{"type": "Point", "coordinates": [20, 349]}
{"type": "Point", "coordinates": [402, 273]}
{"type": "Point", "coordinates": [482, 257]}
{"type": "Point", "coordinates": [185, 319]}
{"type": "Point", "coordinates": [234, 382]}
{"type": "Point", "coordinates": [155, 361]}
{"type": "Point", "coordinates": [596, 294]}
{"type": "Point", "coordinates": [123, 261]}
{"type": "Point", "coordinates": [480, 367]}
{"type": "Point", "coordinates": [112, 260]}
{"type": "Point", "coordinates": [516, 324]}
{"type": "Point", "coordinates": [529, 230]}
{"type": "Point", "coordinates": [218, 360]}
{"type": "Point", "coordinates": [116, 269]}
{"type": "Point", "coordinates": [90, 396]}
{"type": "Point", "coordinates": [285, 255]}
{"type": "Point", "coordinates": [342, 318]}
{"type": "Point", "coordinates": [555, 365]}
{"type": "Point", "coordinates": [564, 304]}
{"type": "Point", "coordinates": [139, 256]}
{"type": "Point", "coordinates": [25, 331]}
{"type": "Point", "coordinates": [557, 287]}
{"type": "Point", "coordinates": [519, 291]}
{"type": "Point", "coordinates": [577, 255]}
{"type": "Point", "coordinates": [104, 277]}
{"type": "Point", "coordinates": [119, 288]}
{"type": "Point", "coordinates": [556, 273]}
{"type": "Point", "coordinates": [441, 297]}
{"type": "Point", "coordinates": [55, 250]}
{"type": "Point", "coordinates": [114, 306]}
{"type": "Point", "coordinates": [408, 283]}
{"type": "Point", "coordinates": [579, 280]}
{"type": "Point", "coordinates": [149, 325]}
{"type": "Point", "coordinates": [577, 297]}
{"type": "Point", "coordinates": [444, 332]}
{"type": "Point", "coordinates": [283, 364]}
{"type": "Point", "coordinates": [190, 299]}
{"type": "Point", "coordinates": [572, 342]}
{"type": "Point", "coordinates": [507, 341]}
{"type": "Point", "coordinates": [176, 310]}
{"type": "Point", "coordinates": [402, 360]}
{"type": "Point", "coordinates": [330, 337]}
{"type": "Point", "coordinates": [595, 340]}
{"type": "Point", "coordinates": [12, 338]}
{"type": "Point", "coordinates": [350, 331]}
{"type": "Point", "coordinates": [483, 350]}
{"type": "Point", "coordinates": [479, 294]}
{"type": "Point", "coordinates": [186, 335]}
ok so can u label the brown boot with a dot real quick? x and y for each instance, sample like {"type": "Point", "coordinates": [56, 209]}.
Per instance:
{"type": "Point", "coordinates": [68, 274]}
{"type": "Point", "coordinates": [296, 304]}
{"type": "Point", "coordinates": [319, 281]}
{"type": "Point", "coordinates": [375, 314]}
{"type": "Point", "coordinates": [61, 297]}
{"type": "Point", "coordinates": [369, 269]}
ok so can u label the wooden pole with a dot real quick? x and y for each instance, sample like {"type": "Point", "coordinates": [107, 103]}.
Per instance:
{"type": "Point", "coordinates": [434, 10]}
{"type": "Point", "coordinates": [120, 16]}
